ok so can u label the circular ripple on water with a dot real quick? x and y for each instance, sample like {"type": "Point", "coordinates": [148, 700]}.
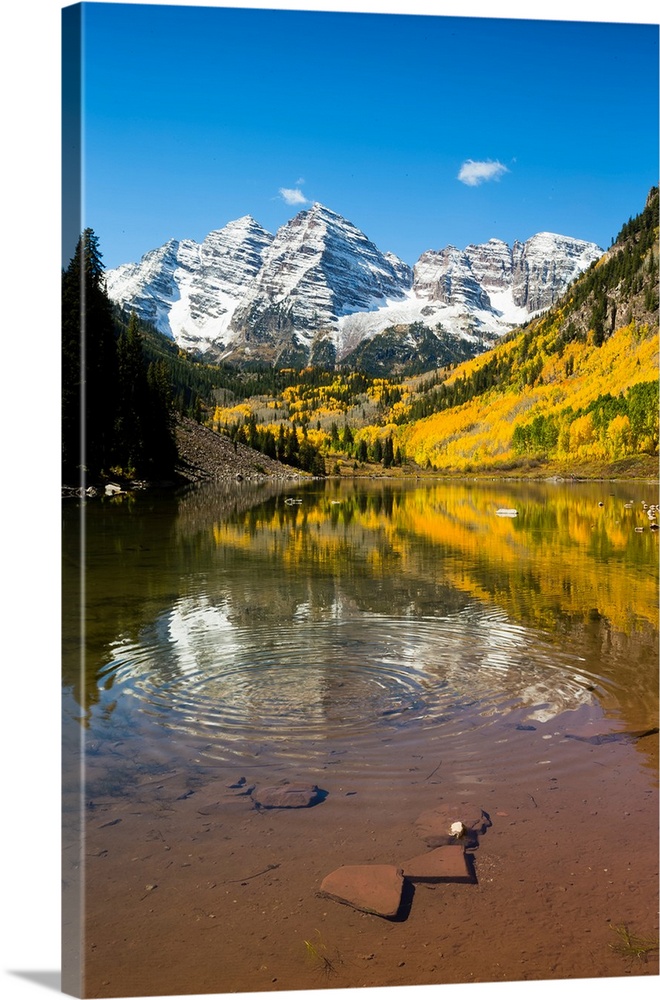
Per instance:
{"type": "Point", "coordinates": [351, 682]}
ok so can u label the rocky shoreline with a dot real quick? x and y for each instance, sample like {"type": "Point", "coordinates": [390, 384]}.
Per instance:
{"type": "Point", "coordinates": [203, 456]}
{"type": "Point", "coordinates": [206, 455]}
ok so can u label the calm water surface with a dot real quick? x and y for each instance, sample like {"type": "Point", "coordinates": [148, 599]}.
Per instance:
{"type": "Point", "coordinates": [360, 625]}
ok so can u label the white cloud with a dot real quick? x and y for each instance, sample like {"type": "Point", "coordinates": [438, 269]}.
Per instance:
{"type": "Point", "coordinates": [293, 196]}
{"type": "Point", "coordinates": [475, 172]}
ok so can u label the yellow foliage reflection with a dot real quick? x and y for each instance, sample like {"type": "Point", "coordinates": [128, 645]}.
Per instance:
{"type": "Point", "coordinates": [567, 555]}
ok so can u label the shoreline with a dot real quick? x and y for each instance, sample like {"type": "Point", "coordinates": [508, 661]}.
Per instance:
{"type": "Point", "coordinates": [208, 456]}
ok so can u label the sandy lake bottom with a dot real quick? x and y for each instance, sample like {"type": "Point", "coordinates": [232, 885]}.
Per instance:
{"type": "Point", "coordinates": [193, 889]}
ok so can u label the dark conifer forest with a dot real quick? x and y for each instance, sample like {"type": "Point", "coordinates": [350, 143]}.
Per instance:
{"type": "Point", "coordinates": [117, 406]}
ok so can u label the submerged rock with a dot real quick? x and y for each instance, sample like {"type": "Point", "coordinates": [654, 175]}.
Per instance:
{"type": "Point", "coordinates": [373, 889]}
{"type": "Point", "coordinates": [625, 737]}
{"type": "Point", "coordinates": [287, 796]}
{"type": "Point", "coordinates": [434, 826]}
{"type": "Point", "coordinates": [239, 783]}
{"type": "Point", "coordinates": [445, 864]}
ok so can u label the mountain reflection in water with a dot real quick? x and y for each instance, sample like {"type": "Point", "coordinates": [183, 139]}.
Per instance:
{"type": "Point", "coordinates": [365, 613]}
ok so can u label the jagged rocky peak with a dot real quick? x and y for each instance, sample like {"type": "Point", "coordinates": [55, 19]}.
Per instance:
{"type": "Point", "coordinates": [152, 265]}
{"type": "Point", "coordinates": [319, 288]}
{"type": "Point", "coordinates": [228, 259]}
{"type": "Point", "coordinates": [322, 245]}
{"type": "Point", "coordinates": [319, 267]}
{"type": "Point", "coordinates": [190, 290]}
{"type": "Point", "coordinates": [491, 264]}
{"type": "Point", "coordinates": [446, 276]}
{"type": "Point", "coordinates": [403, 271]}
{"type": "Point", "coordinates": [149, 287]}
{"type": "Point", "coordinates": [532, 274]}
{"type": "Point", "coordinates": [545, 265]}
{"type": "Point", "coordinates": [241, 239]}
{"type": "Point", "coordinates": [235, 253]}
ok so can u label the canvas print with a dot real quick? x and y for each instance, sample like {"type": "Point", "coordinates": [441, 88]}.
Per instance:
{"type": "Point", "coordinates": [359, 500]}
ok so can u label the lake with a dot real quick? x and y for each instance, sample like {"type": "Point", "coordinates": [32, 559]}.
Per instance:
{"type": "Point", "coordinates": [403, 646]}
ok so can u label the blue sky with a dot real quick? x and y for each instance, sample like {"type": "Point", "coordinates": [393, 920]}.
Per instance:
{"type": "Point", "coordinates": [422, 130]}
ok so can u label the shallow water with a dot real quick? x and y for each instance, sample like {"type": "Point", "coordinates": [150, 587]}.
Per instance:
{"type": "Point", "coordinates": [364, 616]}
{"type": "Point", "coordinates": [377, 639]}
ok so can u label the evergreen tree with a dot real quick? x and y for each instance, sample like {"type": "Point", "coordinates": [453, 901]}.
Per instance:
{"type": "Point", "coordinates": [130, 450]}
{"type": "Point", "coordinates": [89, 365]}
{"type": "Point", "coordinates": [281, 444]}
{"type": "Point", "coordinates": [292, 447]}
{"type": "Point", "coordinates": [642, 400]}
{"type": "Point", "coordinates": [117, 412]}
{"type": "Point", "coordinates": [307, 455]}
{"type": "Point", "coordinates": [318, 465]}
{"type": "Point", "coordinates": [347, 437]}
{"type": "Point", "coordinates": [160, 440]}
{"type": "Point", "coordinates": [144, 442]}
{"type": "Point", "coordinates": [388, 452]}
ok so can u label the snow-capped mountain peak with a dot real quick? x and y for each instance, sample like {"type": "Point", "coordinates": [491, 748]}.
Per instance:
{"type": "Point", "coordinates": [189, 290]}
{"type": "Point", "coordinates": [327, 264]}
{"type": "Point", "coordinates": [319, 287]}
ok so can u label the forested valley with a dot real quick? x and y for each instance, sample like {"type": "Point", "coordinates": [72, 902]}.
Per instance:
{"type": "Point", "coordinates": [574, 390]}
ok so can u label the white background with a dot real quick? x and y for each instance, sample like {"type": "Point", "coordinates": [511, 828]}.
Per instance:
{"type": "Point", "coordinates": [29, 460]}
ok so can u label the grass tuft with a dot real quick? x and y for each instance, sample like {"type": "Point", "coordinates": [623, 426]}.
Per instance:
{"type": "Point", "coordinates": [317, 953]}
{"type": "Point", "coordinates": [631, 946]}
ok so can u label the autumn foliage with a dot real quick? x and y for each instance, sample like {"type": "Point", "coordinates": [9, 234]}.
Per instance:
{"type": "Point", "coordinates": [577, 386]}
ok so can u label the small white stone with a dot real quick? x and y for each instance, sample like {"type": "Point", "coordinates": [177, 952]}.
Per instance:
{"type": "Point", "coordinates": [457, 829]}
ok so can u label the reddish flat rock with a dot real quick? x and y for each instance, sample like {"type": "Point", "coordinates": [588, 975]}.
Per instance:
{"type": "Point", "coordinates": [444, 864]}
{"type": "Point", "coordinates": [371, 888]}
{"type": "Point", "coordinates": [287, 796]}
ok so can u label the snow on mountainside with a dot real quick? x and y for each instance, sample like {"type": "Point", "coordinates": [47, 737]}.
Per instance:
{"type": "Point", "coordinates": [545, 263]}
{"type": "Point", "coordinates": [319, 288]}
{"type": "Point", "coordinates": [481, 292]}
{"type": "Point", "coordinates": [189, 291]}
{"type": "Point", "coordinates": [319, 267]}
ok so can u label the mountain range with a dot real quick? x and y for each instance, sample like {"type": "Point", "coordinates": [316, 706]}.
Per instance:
{"type": "Point", "coordinates": [320, 292]}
